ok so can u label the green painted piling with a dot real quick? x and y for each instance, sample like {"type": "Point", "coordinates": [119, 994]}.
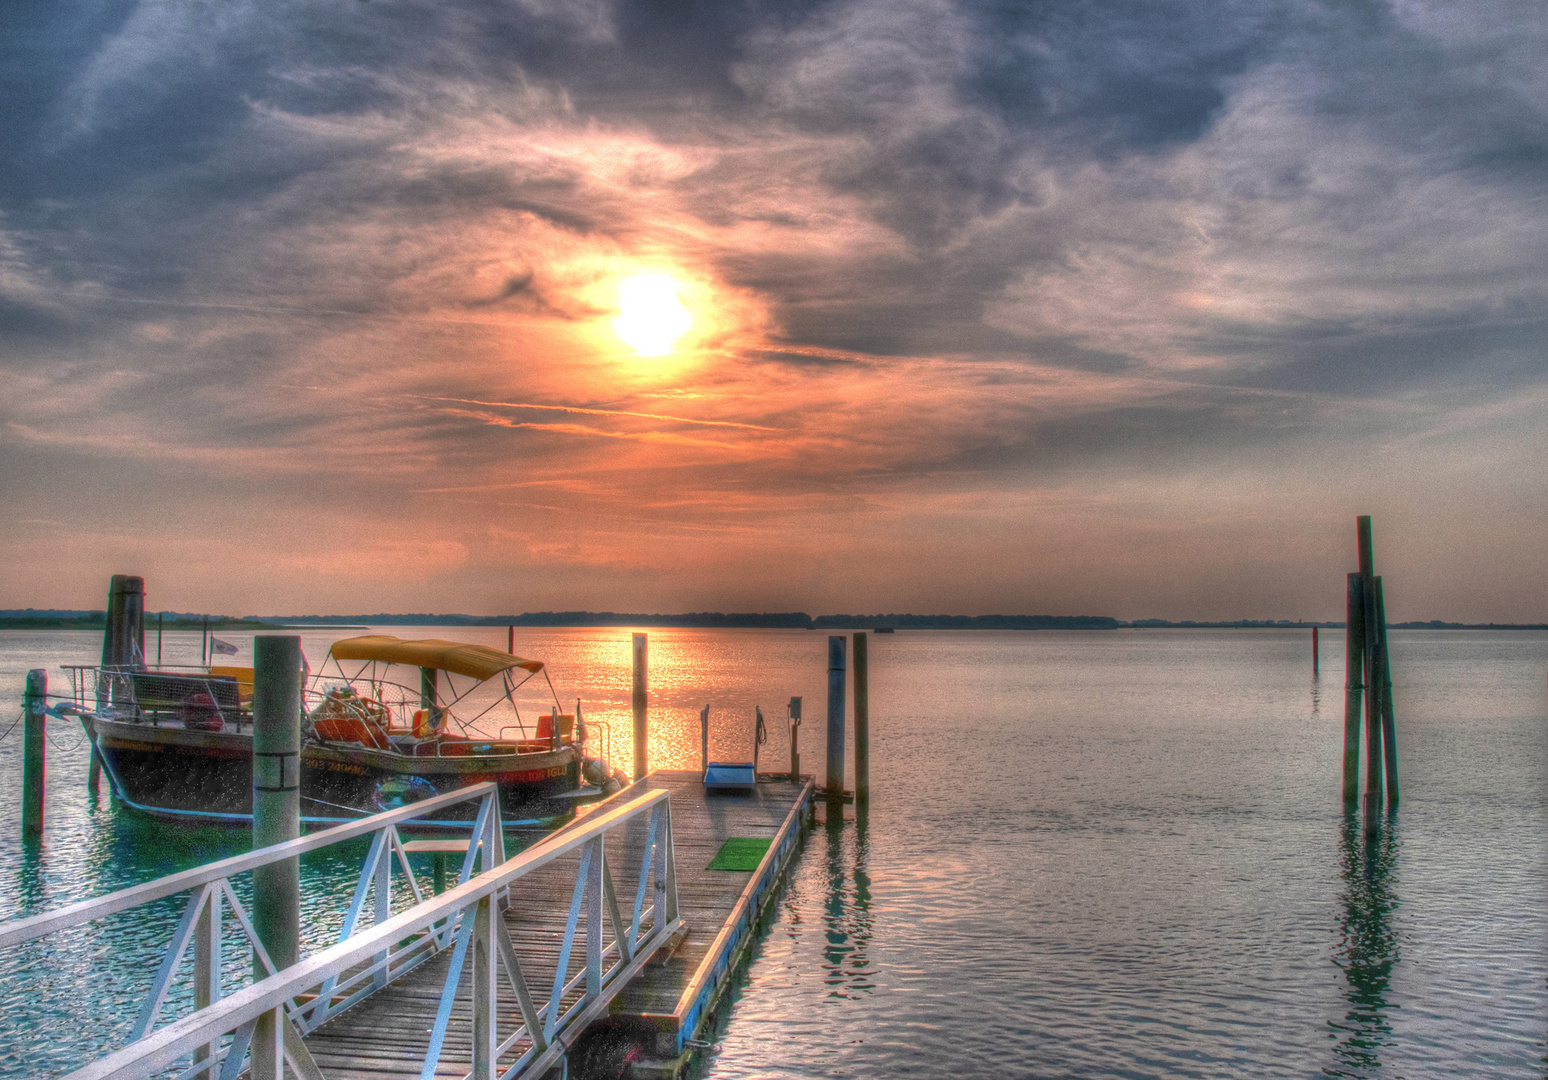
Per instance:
{"type": "Point", "coordinates": [1388, 718]}
{"type": "Point", "coordinates": [34, 701]}
{"type": "Point", "coordinates": [640, 703]}
{"type": "Point", "coordinates": [1354, 688]}
{"type": "Point", "coordinates": [1374, 659]}
{"type": "Point", "coordinates": [862, 721]}
{"type": "Point", "coordinates": [835, 784]}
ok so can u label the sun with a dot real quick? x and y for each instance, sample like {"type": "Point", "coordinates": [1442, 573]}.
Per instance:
{"type": "Point", "coordinates": [651, 317]}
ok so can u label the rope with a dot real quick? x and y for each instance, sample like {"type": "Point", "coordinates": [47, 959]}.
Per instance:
{"type": "Point", "coordinates": [13, 725]}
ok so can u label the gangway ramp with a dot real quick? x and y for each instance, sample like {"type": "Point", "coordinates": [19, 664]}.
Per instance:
{"type": "Point", "coordinates": [439, 989]}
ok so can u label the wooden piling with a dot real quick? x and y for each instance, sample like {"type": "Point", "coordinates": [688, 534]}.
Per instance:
{"type": "Point", "coordinates": [276, 818]}
{"type": "Point", "coordinates": [1373, 664]}
{"type": "Point", "coordinates": [1363, 542]}
{"type": "Point", "coordinates": [123, 636]}
{"type": "Point", "coordinates": [161, 619]}
{"type": "Point", "coordinates": [1354, 688]}
{"type": "Point", "coordinates": [204, 643]}
{"type": "Point", "coordinates": [835, 783]}
{"type": "Point", "coordinates": [510, 640]}
{"type": "Point", "coordinates": [704, 739]}
{"type": "Point", "coordinates": [862, 722]}
{"type": "Point", "coordinates": [1316, 653]}
{"type": "Point", "coordinates": [34, 701]}
{"type": "Point", "coordinates": [277, 791]}
{"type": "Point", "coordinates": [795, 740]}
{"type": "Point", "coordinates": [1388, 719]}
{"type": "Point", "coordinates": [641, 731]}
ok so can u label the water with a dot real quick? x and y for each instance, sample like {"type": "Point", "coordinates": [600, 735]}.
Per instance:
{"type": "Point", "coordinates": [1115, 854]}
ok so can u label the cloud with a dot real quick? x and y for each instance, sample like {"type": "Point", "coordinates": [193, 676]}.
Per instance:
{"type": "Point", "coordinates": [959, 272]}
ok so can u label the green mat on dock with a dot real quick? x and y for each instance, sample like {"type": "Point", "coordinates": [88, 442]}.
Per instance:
{"type": "Point", "coordinates": [741, 853]}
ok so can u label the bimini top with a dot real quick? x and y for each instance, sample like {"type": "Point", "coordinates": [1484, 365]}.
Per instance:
{"type": "Point", "coordinates": [474, 661]}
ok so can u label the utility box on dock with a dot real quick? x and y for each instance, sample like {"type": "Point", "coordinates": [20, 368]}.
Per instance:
{"type": "Point", "coordinates": [737, 777]}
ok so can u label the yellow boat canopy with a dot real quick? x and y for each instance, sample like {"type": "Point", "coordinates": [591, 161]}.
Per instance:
{"type": "Point", "coordinates": [474, 661]}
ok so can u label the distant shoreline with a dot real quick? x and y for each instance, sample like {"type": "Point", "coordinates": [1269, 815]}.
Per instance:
{"type": "Point", "coordinates": [56, 619]}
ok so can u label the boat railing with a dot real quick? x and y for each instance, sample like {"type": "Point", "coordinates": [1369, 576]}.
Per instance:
{"type": "Point", "coordinates": [107, 689]}
{"type": "Point", "coordinates": [466, 920]}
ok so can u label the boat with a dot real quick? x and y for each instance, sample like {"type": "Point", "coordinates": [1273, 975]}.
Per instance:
{"type": "Point", "coordinates": [386, 722]}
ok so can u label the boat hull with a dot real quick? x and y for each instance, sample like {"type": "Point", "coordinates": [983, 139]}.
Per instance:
{"type": "Point", "coordinates": [175, 772]}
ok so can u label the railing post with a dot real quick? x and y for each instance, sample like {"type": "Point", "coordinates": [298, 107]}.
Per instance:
{"type": "Point", "coordinates": [485, 988]}
{"type": "Point", "coordinates": [206, 973]}
{"type": "Point", "coordinates": [382, 906]}
{"type": "Point", "coordinates": [594, 920]}
{"type": "Point", "coordinates": [34, 701]}
{"type": "Point", "coordinates": [276, 819]}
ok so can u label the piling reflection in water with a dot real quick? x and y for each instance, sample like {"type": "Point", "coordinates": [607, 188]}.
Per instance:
{"type": "Point", "coordinates": [847, 911]}
{"type": "Point", "coordinates": [1368, 947]}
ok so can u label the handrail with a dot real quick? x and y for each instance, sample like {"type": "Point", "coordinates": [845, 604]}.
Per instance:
{"type": "Point", "coordinates": [35, 926]}
{"type": "Point", "coordinates": [240, 1011]}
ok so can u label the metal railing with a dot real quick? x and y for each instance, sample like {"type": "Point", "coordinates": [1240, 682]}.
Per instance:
{"type": "Point", "coordinates": [212, 897]}
{"type": "Point", "coordinates": [223, 1036]}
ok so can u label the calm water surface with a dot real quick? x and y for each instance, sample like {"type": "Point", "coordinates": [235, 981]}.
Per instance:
{"type": "Point", "coordinates": [1095, 854]}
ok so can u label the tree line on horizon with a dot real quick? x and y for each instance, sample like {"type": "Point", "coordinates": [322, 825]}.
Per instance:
{"type": "Point", "coordinates": [62, 619]}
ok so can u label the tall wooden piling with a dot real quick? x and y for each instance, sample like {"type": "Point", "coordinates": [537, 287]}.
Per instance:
{"type": "Point", "coordinates": [835, 783]}
{"type": "Point", "coordinates": [34, 701]}
{"type": "Point", "coordinates": [1388, 719]}
{"type": "Point", "coordinates": [1354, 688]}
{"type": "Point", "coordinates": [123, 636]}
{"type": "Point", "coordinates": [276, 819]}
{"type": "Point", "coordinates": [1373, 664]}
{"type": "Point", "coordinates": [1316, 654]}
{"type": "Point", "coordinates": [510, 640]}
{"type": "Point", "coordinates": [862, 722]}
{"type": "Point", "coordinates": [641, 731]}
{"type": "Point", "coordinates": [704, 739]}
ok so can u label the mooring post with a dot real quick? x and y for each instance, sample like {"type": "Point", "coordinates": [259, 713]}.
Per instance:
{"type": "Point", "coordinates": [795, 740]}
{"type": "Point", "coordinates": [1354, 688]}
{"type": "Point", "coordinates": [510, 640]}
{"type": "Point", "coordinates": [276, 817]}
{"type": "Point", "coordinates": [704, 739]}
{"type": "Point", "coordinates": [1388, 721]}
{"type": "Point", "coordinates": [1316, 653]}
{"type": "Point", "coordinates": [862, 723]}
{"type": "Point", "coordinates": [123, 636]}
{"type": "Point", "coordinates": [836, 715]}
{"type": "Point", "coordinates": [1373, 665]}
{"type": "Point", "coordinates": [34, 701]}
{"type": "Point", "coordinates": [204, 643]}
{"type": "Point", "coordinates": [640, 701]}
{"type": "Point", "coordinates": [161, 622]}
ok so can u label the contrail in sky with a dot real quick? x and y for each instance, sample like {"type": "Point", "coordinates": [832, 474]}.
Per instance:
{"type": "Point", "coordinates": [597, 412]}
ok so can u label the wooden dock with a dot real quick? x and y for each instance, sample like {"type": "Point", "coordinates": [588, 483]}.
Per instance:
{"type": "Point", "coordinates": [661, 1009]}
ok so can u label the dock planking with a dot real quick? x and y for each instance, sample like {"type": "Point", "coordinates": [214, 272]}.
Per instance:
{"type": "Point", "coordinates": [386, 1034]}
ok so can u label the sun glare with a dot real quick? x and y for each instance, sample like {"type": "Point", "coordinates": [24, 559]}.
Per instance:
{"type": "Point", "coordinates": [651, 317]}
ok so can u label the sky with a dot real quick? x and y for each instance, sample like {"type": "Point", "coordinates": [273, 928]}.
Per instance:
{"type": "Point", "coordinates": [1120, 308]}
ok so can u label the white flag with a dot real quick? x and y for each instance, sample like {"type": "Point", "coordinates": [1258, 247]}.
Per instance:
{"type": "Point", "coordinates": [217, 645]}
